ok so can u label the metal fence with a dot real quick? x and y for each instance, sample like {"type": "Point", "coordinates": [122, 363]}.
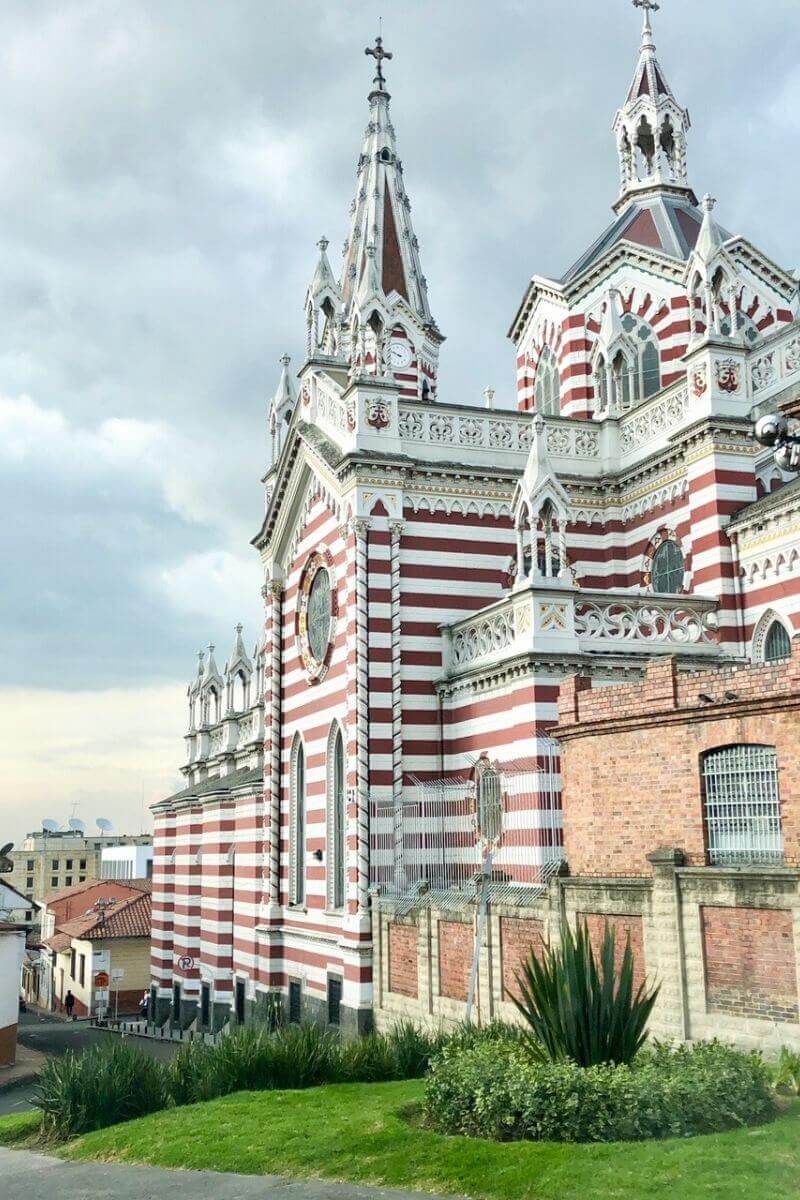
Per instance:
{"type": "Point", "coordinates": [742, 805]}
{"type": "Point", "coordinates": [432, 847]}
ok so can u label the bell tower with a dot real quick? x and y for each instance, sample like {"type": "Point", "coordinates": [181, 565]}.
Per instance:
{"type": "Point", "coordinates": [651, 127]}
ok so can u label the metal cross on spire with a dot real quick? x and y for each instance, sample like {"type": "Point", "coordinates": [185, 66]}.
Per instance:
{"type": "Point", "coordinates": [379, 54]}
{"type": "Point", "coordinates": [648, 6]}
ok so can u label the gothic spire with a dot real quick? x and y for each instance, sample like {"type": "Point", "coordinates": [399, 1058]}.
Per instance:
{"type": "Point", "coordinates": [381, 215]}
{"type": "Point", "coordinates": [651, 126]}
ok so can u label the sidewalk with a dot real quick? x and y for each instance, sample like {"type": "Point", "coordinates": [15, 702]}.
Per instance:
{"type": "Point", "coordinates": [28, 1064]}
{"type": "Point", "coordinates": [29, 1176]}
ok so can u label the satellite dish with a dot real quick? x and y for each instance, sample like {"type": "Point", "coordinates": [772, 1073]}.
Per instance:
{"type": "Point", "coordinates": [5, 850]}
{"type": "Point", "coordinates": [77, 824]}
{"type": "Point", "coordinates": [50, 826]}
{"type": "Point", "coordinates": [104, 825]}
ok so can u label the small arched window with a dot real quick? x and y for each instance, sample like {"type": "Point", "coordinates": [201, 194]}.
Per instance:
{"type": "Point", "coordinates": [742, 805]}
{"type": "Point", "coordinates": [745, 326]}
{"type": "Point", "coordinates": [548, 385]}
{"type": "Point", "coordinates": [777, 643]}
{"type": "Point", "coordinates": [297, 832]}
{"type": "Point", "coordinates": [668, 568]}
{"type": "Point", "coordinates": [337, 820]}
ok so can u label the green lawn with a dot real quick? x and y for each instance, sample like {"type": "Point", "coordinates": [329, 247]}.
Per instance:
{"type": "Point", "coordinates": [370, 1133]}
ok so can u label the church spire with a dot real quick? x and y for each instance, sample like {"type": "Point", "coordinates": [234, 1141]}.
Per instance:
{"type": "Point", "coordinates": [381, 217]}
{"type": "Point", "coordinates": [651, 126]}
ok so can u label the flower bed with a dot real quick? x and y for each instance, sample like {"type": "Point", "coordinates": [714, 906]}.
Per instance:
{"type": "Point", "coordinates": [500, 1092]}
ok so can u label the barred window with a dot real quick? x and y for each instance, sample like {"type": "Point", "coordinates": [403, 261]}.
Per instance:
{"type": "Point", "coordinates": [337, 819]}
{"type": "Point", "coordinates": [489, 802]}
{"type": "Point", "coordinates": [777, 644]}
{"type": "Point", "coordinates": [742, 805]}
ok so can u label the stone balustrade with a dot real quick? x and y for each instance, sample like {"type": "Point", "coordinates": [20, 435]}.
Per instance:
{"type": "Point", "coordinates": [552, 616]}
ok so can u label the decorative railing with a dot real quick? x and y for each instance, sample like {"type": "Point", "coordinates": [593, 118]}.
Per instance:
{"type": "Point", "coordinates": [671, 622]}
{"type": "Point", "coordinates": [441, 425]}
{"type": "Point", "coordinates": [778, 364]}
{"type": "Point", "coordinates": [551, 616]}
{"type": "Point", "coordinates": [654, 418]}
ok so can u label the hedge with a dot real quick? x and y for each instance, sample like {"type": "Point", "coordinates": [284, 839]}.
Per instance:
{"type": "Point", "coordinates": [502, 1093]}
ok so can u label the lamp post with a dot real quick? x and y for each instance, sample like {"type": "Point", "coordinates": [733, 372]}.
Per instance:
{"type": "Point", "coordinates": [773, 431]}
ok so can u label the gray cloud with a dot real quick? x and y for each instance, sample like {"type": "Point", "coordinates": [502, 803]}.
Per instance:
{"type": "Point", "coordinates": [165, 170]}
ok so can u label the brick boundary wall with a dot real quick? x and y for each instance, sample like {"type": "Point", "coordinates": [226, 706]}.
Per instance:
{"type": "Point", "coordinates": [403, 959]}
{"type": "Point", "coordinates": [518, 936]}
{"type": "Point", "coordinates": [456, 948]}
{"type": "Point", "coordinates": [624, 927]}
{"type": "Point", "coordinates": [750, 963]}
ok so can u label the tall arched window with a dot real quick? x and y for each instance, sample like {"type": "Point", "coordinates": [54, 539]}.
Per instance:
{"type": "Point", "coordinates": [548, 384]}
{"type": "Point", "coordinates": [297, 832]}
{"type": "Point", "coordinates": [668, 568]}
{"type": "Point", "coordinates": [646, 367]}
{"type": "Point", "coordinates": [489, 814]}
{"type": "Point", "coordinates": [337, 820]}
{"type": "Point", "coordinates": [777, 643]}
{"type": "Point", "coordinates": [742, 804]}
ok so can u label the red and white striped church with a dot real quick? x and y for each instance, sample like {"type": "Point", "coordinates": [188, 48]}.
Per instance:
{"type": "Point", "coordinates": [385, 765]}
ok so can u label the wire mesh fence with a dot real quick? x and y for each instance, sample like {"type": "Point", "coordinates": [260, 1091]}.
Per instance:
{"type": "Point", "coordinates": [432, 846]}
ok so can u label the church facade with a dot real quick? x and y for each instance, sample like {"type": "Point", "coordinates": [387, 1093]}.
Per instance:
{"type": "Point", "coordinates": [376, 813]}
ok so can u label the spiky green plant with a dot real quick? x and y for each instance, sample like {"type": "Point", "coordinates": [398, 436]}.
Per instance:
{"type": "Point", "coordinates": [581, 1007]}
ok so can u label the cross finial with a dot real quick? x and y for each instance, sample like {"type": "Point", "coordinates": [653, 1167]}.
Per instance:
{"type": "Point", "coordinates": [379, 54]}
{"type": "Point", "coordinates": [647, 6]}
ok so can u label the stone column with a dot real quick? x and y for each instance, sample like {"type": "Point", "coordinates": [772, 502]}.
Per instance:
{"type": "Point", "coordinates": [665, 948]}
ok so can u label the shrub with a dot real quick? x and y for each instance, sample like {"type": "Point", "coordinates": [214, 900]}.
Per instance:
{"type": "Point", "coordinates": [254, 1058]}
{"type": "Point", "coordinates": [787, 1072]}
{"type": "Point", "coordinates": [580, 1009]}
{"type": "Point", "coordinates": [104, 1085]}
{"type": "Point", "coordinates": [665, 1092]}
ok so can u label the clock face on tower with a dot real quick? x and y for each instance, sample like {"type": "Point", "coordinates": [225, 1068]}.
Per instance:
{"type": "Point", "coordinates": [400, 354]}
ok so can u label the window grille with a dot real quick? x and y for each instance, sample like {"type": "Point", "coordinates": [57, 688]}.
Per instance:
{"type": "Point", "coordinates": [777, 644]}
{"type": "Point", "coordinates": [742, 805]}
{"type": "Point", "coordinates": [490, 803]}
{"type": "Point", "coordinates": [668, 568]}
{"type": "Point", "coordinates": [295, 1005]}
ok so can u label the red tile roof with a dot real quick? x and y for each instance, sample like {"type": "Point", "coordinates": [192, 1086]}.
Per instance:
{"type": "Point", "coordinates": [128, 918]}
{"type": "Point", "coordinates": [140, 885]}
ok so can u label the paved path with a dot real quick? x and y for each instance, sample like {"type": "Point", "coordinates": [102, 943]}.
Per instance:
{"type": "Point", "coordinates": [28, 1176]}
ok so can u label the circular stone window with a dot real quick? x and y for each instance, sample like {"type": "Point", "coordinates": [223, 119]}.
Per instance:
{"type": "Point", "coordinates": [317, 610]}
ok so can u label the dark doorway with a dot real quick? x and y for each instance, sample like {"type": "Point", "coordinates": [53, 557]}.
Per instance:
{"type": "Point", "coordinates": [205, 1005]}
{"type": "Point", "coordinates": [176, 1002]}
{"type": "Point", "coordinates": [334, 1001]}
{"type": "Point", "coordinates": [240, 1002]}
{"type": "Point", "coordinates": [295, 1010]}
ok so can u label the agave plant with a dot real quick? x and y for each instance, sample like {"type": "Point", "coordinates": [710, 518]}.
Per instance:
{"type": "Point", "coordinates": [580, 1007]}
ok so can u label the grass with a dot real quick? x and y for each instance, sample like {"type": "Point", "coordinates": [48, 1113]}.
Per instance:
{"type": "Point", "coordinates": [370, 1133]}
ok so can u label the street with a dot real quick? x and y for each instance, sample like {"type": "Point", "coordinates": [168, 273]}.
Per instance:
{"type": "Point", "coordinates": [53, 1034]}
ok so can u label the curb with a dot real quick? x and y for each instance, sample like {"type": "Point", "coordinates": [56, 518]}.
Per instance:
{"type": "Point", "coordinates": [9, 1085]}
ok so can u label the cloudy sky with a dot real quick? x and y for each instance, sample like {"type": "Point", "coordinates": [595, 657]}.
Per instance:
{"type": "Point", "coordinates": [166, 167]}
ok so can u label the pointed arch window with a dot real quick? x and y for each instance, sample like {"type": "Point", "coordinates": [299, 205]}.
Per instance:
{"type": "Point", "coordinates": [548, 384]}
{"type": "Point", "coordinates": [297, 832]}
{"type": "Point", "coordinates": [645, 370]}
{"type": "Point", "coordinates": [337, 819]}
{"type": "Point", "coordinates": [777, 643]}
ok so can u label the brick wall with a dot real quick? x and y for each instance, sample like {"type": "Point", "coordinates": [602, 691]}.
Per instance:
{"type": "Point", "coordinates": [518, 936]}
{"type": "Point", "coordinates": [624, 927]}
{"type": "Point", "coordinates": [631, 758]}
{"type": "Point", "coordinates": [750, 964]}
{"type": "Point", "coordinates": [456, 947]}
{"type": "Point", "coordinates": [403, 976]}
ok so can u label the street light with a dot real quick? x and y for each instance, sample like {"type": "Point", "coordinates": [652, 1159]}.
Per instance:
{"type": "Point", "coordinates": [773, 431]}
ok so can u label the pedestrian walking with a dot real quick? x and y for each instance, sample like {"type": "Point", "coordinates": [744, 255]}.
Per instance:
{"type": "Point", "coordinates": [69, 1004]}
